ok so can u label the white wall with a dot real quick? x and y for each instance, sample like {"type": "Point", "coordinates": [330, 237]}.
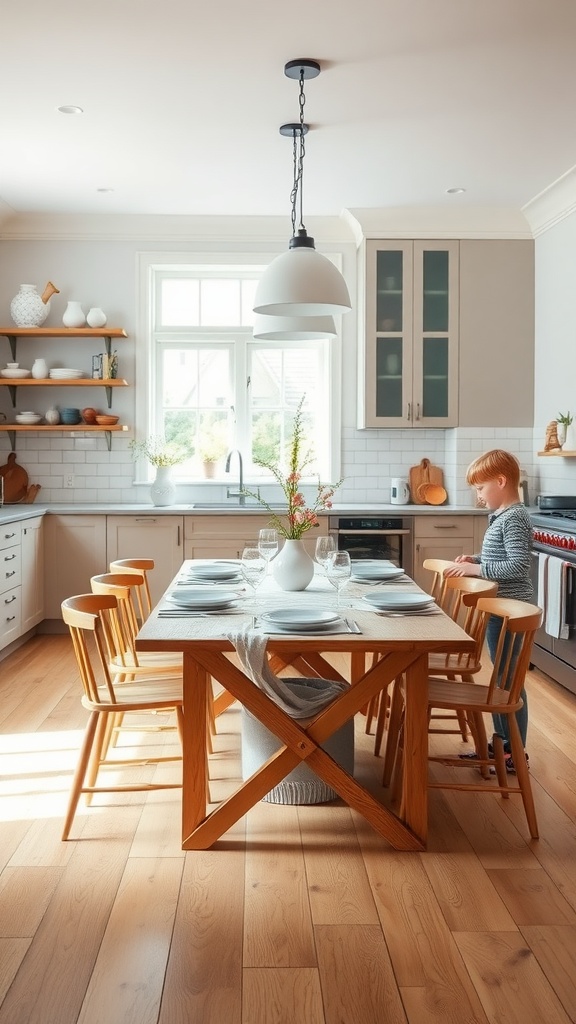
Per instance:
{"type": "Point", "coordinates": [555, 255]}
{"type": "Point", "coordinates": [99, 268]}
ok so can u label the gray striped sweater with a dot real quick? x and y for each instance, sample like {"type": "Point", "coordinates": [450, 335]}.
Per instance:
{"type": "Point", "coordinates": [505, 555]}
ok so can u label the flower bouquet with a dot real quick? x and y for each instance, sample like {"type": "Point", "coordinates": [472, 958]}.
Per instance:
{"type": "Point", "coordinates": [301, 517]}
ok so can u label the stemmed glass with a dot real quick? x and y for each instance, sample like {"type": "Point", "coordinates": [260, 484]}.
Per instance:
{"type": "Point", "coordinates": [253, 566]}
{"type": "Point", "coordinates": [338, 571]}
{"type": "Point", "coordinates": [268, 545]}
{"type": "Point", "coordinates": [325, 547]}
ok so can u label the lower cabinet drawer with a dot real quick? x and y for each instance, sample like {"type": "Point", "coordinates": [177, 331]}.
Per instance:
{"type": "Point", "coordinates": [10, 567]}
{"type": "Point", "coordinates": [10, 616]}
{"type": "Point", "coordinates": [10, 534]}
{"type": "Point", "coordinates": [443, 526]}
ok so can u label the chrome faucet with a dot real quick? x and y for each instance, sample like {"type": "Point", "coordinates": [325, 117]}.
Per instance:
{"type": "Point", "coordinates": [240, 492]}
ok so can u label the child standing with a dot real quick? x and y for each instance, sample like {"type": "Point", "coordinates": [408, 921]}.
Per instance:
{"type": "Point", "coordinates": [505, 556]}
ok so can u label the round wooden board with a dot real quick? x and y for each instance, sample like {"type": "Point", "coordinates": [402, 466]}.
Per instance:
{"type": "Point", "coordinates": [15, 480]}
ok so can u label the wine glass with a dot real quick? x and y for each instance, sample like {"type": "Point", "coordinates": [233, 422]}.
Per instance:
{"type": "Point", "coordinates": [268, 545]}
{"type": "Point", "coordinates": [338, 571]}
{"type": "Point", "coordinates": [253, 566]}
{"type": "Point", "coordinates": [325, 547]}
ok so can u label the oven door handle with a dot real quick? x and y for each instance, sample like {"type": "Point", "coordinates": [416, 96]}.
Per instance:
{"type": "Point", "coordinates": [373, 533]}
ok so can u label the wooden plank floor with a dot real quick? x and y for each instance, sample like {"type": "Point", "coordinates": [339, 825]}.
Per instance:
{"type": "Point", "coordinates": [299, 914]}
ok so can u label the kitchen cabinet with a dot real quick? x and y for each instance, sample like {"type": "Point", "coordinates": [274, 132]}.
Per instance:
{"type": "Point", "coordinates": [32, 546]}
{"type": "Point", "coordinates": [75, 550]}
{"type": "Point", "coordinates": [225, 536]}
{"type": "Point", "coordinates": [15, 384]}
{"type": "Point", "coordinates": [442, 536]}
{"type": "Point", "coordinates": [496, 284]}
{"type": "Point", "coordinates": [10, 583]}
{"type": "Point", "coordinates": [409, 326]}
{"type": "Point", "coordinates": [147, 536]}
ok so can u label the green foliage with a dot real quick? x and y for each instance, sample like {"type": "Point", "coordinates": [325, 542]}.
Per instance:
{"type": "Point", "coordinates": [159, 451]}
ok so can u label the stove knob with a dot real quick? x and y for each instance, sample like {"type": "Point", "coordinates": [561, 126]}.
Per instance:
{"type": "Point", "coordinates": [563, 542]}
{"type": "Point", "coordinates": [572, 543]}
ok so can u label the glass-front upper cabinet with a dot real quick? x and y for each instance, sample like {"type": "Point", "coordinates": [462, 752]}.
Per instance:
{"type": "Point", "coordinates": [410, 359]}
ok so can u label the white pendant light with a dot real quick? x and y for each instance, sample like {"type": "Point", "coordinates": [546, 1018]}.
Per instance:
{"type": "Point", "coordinates": [293, 328]}
{"type": "Point", "coordinates": [301, 282]}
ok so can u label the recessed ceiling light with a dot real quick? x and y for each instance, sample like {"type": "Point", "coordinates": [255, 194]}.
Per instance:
{"type": "Point", "coordinates": [69, 108]}
{"type": "Point", "coordinates": [454, 191]}
{"type": "Point", "coordinates": [104, 190]}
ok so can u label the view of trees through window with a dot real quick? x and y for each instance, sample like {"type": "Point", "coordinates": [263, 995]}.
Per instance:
{"type": "Point", "coordinates": [215, 387]}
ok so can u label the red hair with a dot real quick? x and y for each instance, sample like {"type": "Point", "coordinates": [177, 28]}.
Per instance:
{"type": "Point", "coordinates": [494, 464]}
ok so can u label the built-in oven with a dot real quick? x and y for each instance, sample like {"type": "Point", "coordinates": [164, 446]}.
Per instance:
{"type": "Point", "coordinates": [554, 534]}
{"type": "Point", "coordinates": [375, 537]}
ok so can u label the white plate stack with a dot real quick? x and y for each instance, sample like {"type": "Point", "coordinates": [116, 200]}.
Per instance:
{"type": "Point", "coordinates": [66, 373]}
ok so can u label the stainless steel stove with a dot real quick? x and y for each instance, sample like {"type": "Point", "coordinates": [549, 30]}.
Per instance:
{"type": "Point", "coordinates": [554, 533]}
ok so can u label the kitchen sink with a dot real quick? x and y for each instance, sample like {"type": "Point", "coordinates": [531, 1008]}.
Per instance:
{"type": "Point", "coordinates": [227, 506]}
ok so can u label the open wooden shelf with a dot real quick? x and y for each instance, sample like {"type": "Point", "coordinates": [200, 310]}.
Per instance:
{"type": "Point", "coordinates": [557, 455]}
{"type": "Point", "coordinates": [61, 428]}
{"type": "Point", "coordinates": [73, 382]}
{"type": "Point", "coordinates": [63, 332]}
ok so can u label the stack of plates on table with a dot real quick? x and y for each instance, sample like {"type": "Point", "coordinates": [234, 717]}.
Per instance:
{"type": "Point", "coordinates": [202, 598]}
{"type": "Point", "coordinates": [402, 604]}
{"type": "Point", "coordinates": [65, 374]}
{"type": "Point", "coordinates": [369, 572]}
{"type": "Point", "coordinates": [214, 572]}
{"type": "Point", "coordinates": [299, 620]}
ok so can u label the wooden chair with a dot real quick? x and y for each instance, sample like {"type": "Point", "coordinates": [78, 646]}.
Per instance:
{"type": "Point", "coordinates": [140, 567]}
{"type": "Point", "coordinates": [89, 618]}
{"type": "Point", "coordinates": [460, 595]}
{"type": "Point", "coordinates": [500, 696]}
{"type": "Point", "coordinates": [129, 589]}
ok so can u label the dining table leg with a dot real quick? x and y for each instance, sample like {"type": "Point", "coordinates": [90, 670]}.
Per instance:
{"type": "Point", "coordinates": [414, 810]}
{"type": "Point", "coordinates": [193, 744]}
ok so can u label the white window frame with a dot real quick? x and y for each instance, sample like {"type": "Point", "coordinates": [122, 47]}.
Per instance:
{"type": "Point", "coordinates": [149, 264]}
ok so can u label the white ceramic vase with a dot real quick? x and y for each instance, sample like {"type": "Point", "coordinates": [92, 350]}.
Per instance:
{"type": "Point", "coordinates": [569, 444]}
{"type": "Point", "coordinates": [52, 416]}
{"type": "Point", "coordinates": [40, 369]}
{"type": "Point", "coordinates": [163, 489]}
{"type": "Point", "coordinates": [27, 308]}
{"type": "Point", "coordinates": [96, 317]}
{"type": "Point", "coordinates": [293, 568]}
{"type": "Point", "coordinates": [74, 315]}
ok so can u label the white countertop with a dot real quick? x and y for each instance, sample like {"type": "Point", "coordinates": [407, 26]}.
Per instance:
{"type": "Point", "coordinates": [12, 513]}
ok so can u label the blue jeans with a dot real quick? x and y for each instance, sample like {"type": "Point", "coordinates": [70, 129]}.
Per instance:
{"type": "Point", "coordinates": [501, 721]}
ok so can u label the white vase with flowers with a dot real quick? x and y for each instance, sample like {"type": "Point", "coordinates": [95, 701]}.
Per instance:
{"type": "Point", "coordinates": [293, 568]}
{"type": "Point", "coordinates": [163, 455]}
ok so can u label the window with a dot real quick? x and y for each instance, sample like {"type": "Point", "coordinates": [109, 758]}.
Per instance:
{"type": "Point", "coordinates": [213, 387]}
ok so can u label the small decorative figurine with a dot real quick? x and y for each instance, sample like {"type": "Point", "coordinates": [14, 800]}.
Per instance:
{"type": "Point", "coordinates": [552, 444]}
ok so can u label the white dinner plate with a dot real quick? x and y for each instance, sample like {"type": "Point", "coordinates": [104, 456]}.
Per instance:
{"type": "Point", "coordinates": [328, 627]}
{"type": "Point", "coordinates": [202, 597]}
{"type": "Point", "coordinates": [372, 572]}
{"type": "Point", "coordinates": [398, 602]}
{"type": "Point", "coordinates": [215, 572]}
{"type": "Point", "coordinates": [299, 618]}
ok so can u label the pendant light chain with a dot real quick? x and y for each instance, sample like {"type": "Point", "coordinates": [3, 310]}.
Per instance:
{"type": "Point", "coordinates": [298, 153]}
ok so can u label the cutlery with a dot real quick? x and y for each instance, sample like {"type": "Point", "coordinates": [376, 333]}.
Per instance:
{"type": "Point", "coordinates": [353, 625]}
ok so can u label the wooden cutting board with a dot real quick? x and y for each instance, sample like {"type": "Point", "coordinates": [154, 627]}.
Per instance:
{"type": "Point", "coordinates": [15, 480]}
{"type": "Point", "coordinates": [423, 474]}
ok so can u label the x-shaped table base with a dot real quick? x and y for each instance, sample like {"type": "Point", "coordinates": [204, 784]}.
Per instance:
{"type": "Point", "coordinates": [200, 831]}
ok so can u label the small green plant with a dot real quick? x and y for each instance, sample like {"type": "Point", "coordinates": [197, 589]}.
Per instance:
{"type": "Point", "coordinates": [564, 418]}
{"type": "Point", "coordinates": [159, 451]}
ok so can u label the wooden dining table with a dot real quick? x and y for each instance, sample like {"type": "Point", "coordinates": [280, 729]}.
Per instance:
{"type": "Point", "coordinates": [402, 644]}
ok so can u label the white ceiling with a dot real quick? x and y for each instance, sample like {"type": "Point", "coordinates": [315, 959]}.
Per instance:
{"type": "Point", "coordinates": [183, 101]}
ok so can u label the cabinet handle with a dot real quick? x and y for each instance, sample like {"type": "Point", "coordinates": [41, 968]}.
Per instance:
{"type": "Point", "coordinates": [418, 411]}
{"type": "Point", "coordinates": [10, 618]}
{"type": "Point", "coordinates": [9, 574]}
{"type": "Point", "coordinates": [178, 529]}
{"type": "Point", "coordinates": [8, 536]}
{"type": "Point", "coordinates": [452, 526]}
{"type": "Point", "coordinates": [9, 600]}
{"type": "Point", "coordinates": [409, 413]}
{"type": "Point", "coordinates": [9, 558]}
{"type": "Point", "coordinates": [145, 519]}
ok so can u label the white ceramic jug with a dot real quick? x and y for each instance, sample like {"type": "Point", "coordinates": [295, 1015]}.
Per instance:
{"type": "Point", "coordinates": [40, 369]}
